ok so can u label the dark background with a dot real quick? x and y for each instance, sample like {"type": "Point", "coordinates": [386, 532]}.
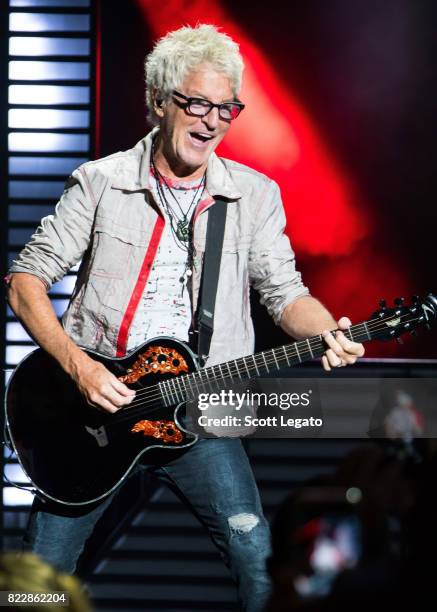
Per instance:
{"type": "Point", "coordinates": [365, 73]}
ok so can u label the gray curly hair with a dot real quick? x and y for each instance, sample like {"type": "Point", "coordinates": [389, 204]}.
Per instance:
{"type": "Point", "coordinates": [181, 51]}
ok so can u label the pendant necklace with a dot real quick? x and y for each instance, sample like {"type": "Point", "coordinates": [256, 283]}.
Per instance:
{"type": "Point", "coordinates": [180, 223]}
{"type": "Point", "coordinates": [181, 228]}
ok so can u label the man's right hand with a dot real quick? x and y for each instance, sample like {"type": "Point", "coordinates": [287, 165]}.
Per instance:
{"type": "Point", "coordinates": [27, 296]}
{"type": "Point", "coordinates": [99, 386]}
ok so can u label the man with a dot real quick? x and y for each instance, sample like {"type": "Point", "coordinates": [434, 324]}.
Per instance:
{"type": "Point", "coordinates": [137, 219]}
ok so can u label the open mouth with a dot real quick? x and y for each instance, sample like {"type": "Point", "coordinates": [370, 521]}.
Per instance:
{"type": "Point", "coordinates": [200, 137]}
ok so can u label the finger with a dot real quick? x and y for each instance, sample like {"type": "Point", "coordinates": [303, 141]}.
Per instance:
{"type": "Point", "coordinates": [344, 342]}
{"type": "Point", "coordinates": [103, 404]}
{"type": "Point", "coordinates": [346, 351]}
{"type": "Point", "coordinates": [115, 398]}
{"type": "Point", "coordinates": [332, 342]}
{"type": "Point", "coordinates": [105, 377]}
{"type": "Point", "coordinates": [356, 348]}
{"type": "Point", "coordinates": [109, 406]}
{"type": "Point", "coordinates": [344, 323]}
{"type": "Point", "coordinates": [353, 348]}
{"type": "Point", "coordinates": [122, 388]}
{"type": "Point", "coordinates": [325, 363]}
{"type": "Point", "coordinates": [348, 359]}
{"type": "Point", "coordinates": [334, 360]}
{"type": "Point", "coordinates": [127, 400]}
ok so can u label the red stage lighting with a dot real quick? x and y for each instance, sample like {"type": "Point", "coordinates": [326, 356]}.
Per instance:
{"type": "Point", "coordinates": [326, 216]}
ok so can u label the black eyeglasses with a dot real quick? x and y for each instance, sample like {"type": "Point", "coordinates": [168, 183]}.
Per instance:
{"type": "Point", "coordinates": [199, 107]}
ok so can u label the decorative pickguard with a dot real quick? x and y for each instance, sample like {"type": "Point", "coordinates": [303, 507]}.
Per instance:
{"type": "Point", "coordinates": [163, 430]}
{"type": "Point", "coordinates": [157, 359]}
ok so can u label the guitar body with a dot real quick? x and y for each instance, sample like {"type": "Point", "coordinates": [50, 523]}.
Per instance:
{"type": "Point", "coordinates": [76, 454]}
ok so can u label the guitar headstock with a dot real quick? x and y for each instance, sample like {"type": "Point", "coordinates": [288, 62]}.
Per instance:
{"type": "Point", "coordinates": [387, 323]}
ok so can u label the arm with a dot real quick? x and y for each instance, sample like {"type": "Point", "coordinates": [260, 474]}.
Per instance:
{"type": "Point", "coordinates": [307, 317]}
{"type": "Point", "coordinates": [273, 273]}
{"type": "Point", "coordinates": [57, 245]}
{"type": "Point", "coordinates": [272, 266]}
{"type": "Point", "coordinates": [28, 299]}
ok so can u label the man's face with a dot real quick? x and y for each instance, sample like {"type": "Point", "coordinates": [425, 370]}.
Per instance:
{"type": "Point", "coordinates": [188, 141]}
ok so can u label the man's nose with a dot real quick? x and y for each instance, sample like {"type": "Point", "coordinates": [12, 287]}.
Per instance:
{"type": "Point", "coordinates": [211, 120]}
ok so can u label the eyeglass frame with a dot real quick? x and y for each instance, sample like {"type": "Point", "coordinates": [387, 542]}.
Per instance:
{"type": "Point", "coordinates": [189, 101]}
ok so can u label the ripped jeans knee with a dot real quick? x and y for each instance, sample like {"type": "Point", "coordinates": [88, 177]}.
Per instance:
{"type": "Point", "coordinates": [242, 523]}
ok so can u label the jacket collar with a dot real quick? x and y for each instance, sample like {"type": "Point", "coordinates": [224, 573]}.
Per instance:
{"type": "Point", "coordinates": [132, 173]}
{"type": "Point", "coordinates": [219, 181]}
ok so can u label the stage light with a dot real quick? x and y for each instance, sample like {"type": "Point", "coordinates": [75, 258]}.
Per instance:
{"type": "Point", "coordinates": [30, 213]}
{"type": "Point", "coordinates": [59, 306]}
{"type": "Point", "coordinates": [36, 45]}
{"type": "Point", "coordinates": [48, 94]}
{"type": "Point", "coordinates": [48, 118]}
{"type": "Point", "coordinates": [15, 332]}
{"type": "Point", "coordinates": [48, 71]}
{"type": "Point", "coordinates": [48, 22]}
{"type": "Point", "coordinates": [48, 3]}
{"type": "Point", "coordinates": [19, 235]}
{"type": "Point", "coordinates": [47, 141]}
{"type": "Point", "coordinates": [44, 165]}
{"type": "Point", "coordinates": [14, 354]}
{"type": "Point", "coordinates": [35, 189]}
{"type": "Point", "coordinates": [23, 216]}
{"type": "Point", "coordinates": [17, 497]}
{"type": "Point", "coordinates": [65, 286]}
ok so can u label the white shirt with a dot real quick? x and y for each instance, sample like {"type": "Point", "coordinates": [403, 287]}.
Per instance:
{"type": "Point", "coordinates": [165, 306]}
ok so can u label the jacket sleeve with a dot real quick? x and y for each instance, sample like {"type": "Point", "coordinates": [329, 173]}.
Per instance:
{"type": "Point", "coordinates": [62, 238]}
{"type": "Point", "coordinates": [272, 268]}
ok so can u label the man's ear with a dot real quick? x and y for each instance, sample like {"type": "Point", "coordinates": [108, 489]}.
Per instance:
{"type": "Point", "coordinates": [158, 104]}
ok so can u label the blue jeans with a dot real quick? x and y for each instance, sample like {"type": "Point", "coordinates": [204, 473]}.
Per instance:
{"type": "Point", "coordinates": [216, 480]}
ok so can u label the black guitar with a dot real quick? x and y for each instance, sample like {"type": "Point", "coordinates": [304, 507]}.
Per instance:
{"type": "Point", "coordinates": [75, 454]}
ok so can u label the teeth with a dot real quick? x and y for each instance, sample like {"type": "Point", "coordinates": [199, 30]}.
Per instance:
{"type": "Point", "coordinates": [205, 136]}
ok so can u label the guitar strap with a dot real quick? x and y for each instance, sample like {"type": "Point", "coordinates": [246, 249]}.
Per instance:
{"type": "Point", "coordinates": [215, 231]}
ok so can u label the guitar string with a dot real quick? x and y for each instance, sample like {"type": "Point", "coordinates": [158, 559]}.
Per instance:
{"type": "Point", "coordinates": [314, 343]}
{"type": "Point", "coordinates": [270, 361]}
{"type": "Point", "coordinates": [131, 410]}
{"type": "Point", "coordinates": [142, 411]}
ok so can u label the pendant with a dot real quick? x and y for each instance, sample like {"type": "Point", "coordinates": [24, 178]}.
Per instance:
{"type": "Point", "coordinates": [183, 230]}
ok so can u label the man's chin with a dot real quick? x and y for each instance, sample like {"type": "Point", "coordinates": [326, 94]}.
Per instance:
{"type": "Point", "coordinates": [196, 161]}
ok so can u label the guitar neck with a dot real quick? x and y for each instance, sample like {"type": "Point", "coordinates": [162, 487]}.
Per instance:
{"type": "Point", "coordinates": [281, 357]}
{"type": "Point", "coordinates": [260, 364]}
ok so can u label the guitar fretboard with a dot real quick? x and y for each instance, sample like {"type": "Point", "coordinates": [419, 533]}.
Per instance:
{"type": "Point", "coordinates": [214, 378]}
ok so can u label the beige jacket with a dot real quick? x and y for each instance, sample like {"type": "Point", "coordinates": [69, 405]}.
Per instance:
{"type": "Point", "coordinates": [108, 217]}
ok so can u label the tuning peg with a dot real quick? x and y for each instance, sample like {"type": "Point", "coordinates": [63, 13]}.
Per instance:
{"type": "Point", "coordinates": [399, 301]}
{"type": "Point", "coordinates": [382, 304]}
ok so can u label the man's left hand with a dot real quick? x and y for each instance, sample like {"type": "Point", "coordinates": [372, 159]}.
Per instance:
{"type": "Point", "coordinates": [341, 351]}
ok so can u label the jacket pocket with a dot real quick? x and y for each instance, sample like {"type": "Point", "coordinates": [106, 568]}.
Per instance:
{"type": "Point", "coordinates": [111, 255]}
{"type": "Point", "coordinates": [117, 255]}
{"type": "Point", "coordinates": [113, 247]}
